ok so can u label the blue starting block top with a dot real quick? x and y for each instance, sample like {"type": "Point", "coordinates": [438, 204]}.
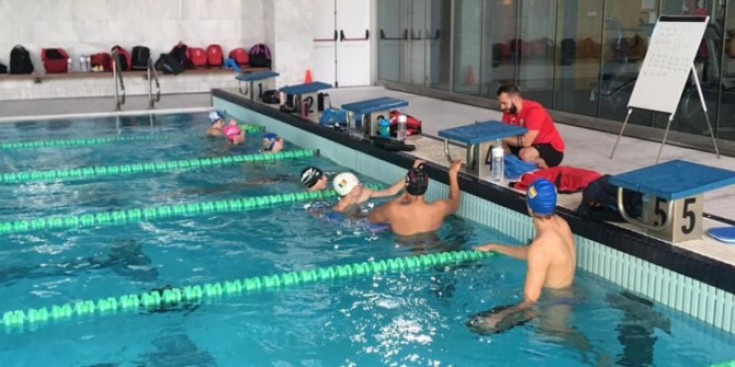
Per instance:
{"type": "Point", "coordinates": [482, 132]}
{"type": "Point", "coordinates": [305, 88]}
{"type": "Point", "coordinates": [674, 179]}
{"type": "Point", "coordinates": [258, 75]}
{"type": "Point", "coordinates": [375, 105]}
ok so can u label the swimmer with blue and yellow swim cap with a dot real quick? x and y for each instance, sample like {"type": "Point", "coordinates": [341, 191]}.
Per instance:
{"type": "Point", "coordinates": [551, 261]}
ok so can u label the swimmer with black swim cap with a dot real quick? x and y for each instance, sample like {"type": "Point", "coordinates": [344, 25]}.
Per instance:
{"type": "Point", "coordinates": [313, 178]}
{"type": "Point", "coordinates": [550, 256]}
{"type": "Point", "coordinates": [410, 214]}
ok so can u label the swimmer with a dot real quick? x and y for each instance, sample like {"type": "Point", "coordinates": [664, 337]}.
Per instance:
{"type": "Point", "coordinates": [218, 122]}
{"type": "Point", "coordinates": [410, 214]}
{"type": "Point", "coordinates": [313, 178]}
{"type": "Point", "coordinates": [235, 135]}
{"type": "Point", "coordinates": [353, 193]}
{"type": "Point", "coordinates": [272, 143]}
{"type": "Point", "coordinates": [550, 257]}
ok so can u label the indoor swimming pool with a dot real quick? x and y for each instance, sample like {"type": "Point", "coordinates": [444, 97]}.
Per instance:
{"type": "Point", "coordinates": [107, 235]}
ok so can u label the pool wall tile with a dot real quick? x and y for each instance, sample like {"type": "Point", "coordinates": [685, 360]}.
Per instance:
{"type": "Point", "coordinates": [702, 301]}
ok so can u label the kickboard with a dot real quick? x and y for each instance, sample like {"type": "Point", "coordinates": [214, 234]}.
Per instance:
{"type": "Point", "coordinates": [723, 234]}
{"type": "Point", "coordinates": [363, 223]}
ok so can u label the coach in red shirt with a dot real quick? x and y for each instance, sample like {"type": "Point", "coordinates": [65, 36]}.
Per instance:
{"type": "Point", "coordinates": [541, 144]}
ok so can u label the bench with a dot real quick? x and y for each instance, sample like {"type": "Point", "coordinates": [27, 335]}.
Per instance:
{"type": "Point", "coordinates": [369, 110]}
{"type": "Point", "coordinates": [673, 197]}
{"type": "Point", "coordinates": [479, 137]}
{"type": "Point", "coordinates": [251, 78]}
{"type": "Point", "coordinates": [304, 92]}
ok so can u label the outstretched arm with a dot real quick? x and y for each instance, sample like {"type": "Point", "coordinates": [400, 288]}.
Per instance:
{"type": "Point", "coordinates": [517, 252]}
{"type": "Point", "coordinates": [453, 200]}
{"type": "Point", "coordinates": [393, 190]}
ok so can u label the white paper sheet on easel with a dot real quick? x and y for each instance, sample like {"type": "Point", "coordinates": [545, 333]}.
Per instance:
{"type": "Point", "coordinates": [668, 63]}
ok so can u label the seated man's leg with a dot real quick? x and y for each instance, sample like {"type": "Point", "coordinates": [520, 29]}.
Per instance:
{"type": "Point", "coordinates": [542, 154]}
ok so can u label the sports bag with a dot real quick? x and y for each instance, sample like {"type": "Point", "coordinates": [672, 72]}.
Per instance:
{"type": "Point", "coordinates": [20, 61]}
{"type": "Point", "coordinates": [140, 57]}
{"type": "Point", "coordinates": [260, 56]}
{"type": "Point", "coordinates": [413, 125]}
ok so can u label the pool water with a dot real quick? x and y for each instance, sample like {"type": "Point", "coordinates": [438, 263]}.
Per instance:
{"type": "Point", "coordinates": [413, 318]}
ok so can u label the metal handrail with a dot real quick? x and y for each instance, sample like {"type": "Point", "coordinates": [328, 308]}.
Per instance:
{"type": "Point", "coordinates": [119, 83]}
{"type": "Point", "coordinates": [153, 76]}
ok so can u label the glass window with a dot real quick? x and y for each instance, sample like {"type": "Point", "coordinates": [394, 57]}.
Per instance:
{"type": "Point", "coordinates": [389, 40]}
{"type": "Point", "coordinates": [535, 51]}
{"type": "Point", "coordinates": [467, 46]}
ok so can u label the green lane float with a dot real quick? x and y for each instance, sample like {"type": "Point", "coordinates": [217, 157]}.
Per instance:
{"type": "Point", "coordinates": [198, 293]}
{"type": "Point", "coordinates": [120, 217]}
{"type": "Point", "coordinates": [149, 167]}
{"type": "Point", "coordinates": [68, 143]}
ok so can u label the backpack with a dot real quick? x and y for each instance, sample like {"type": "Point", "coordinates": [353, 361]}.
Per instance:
{"type": "Point", "coordinates": [140, 57]}
{"type": "Point", "coordinates": [125, 62]}
{"type": "Point", "coordinates": [169, 64]}
{"type": "Point", "coordinates": [271, 97]}
{"type": "Point", "coordinates": [3, 69]}
{"type": "Point", "coordinates": [197, 57]}
{"type": "Point", "coordinates": [413, 125]}
{"type": "Point", "coordinates": [260, 56]}
{"type": "Point", "coordinates": [335, 117]}
{"type": "Point", "coordinates": [101, 59]}
{"type": "Point", "coordinates": [54, 60]}
{"type": "Point", "coordinates": [600, 202]}
{"type": "Point", "coordinates": [240, 56]}
{"type": "Point", "coordinates": [179, 54]}
{"type": "Point", "coordinates": [215, 56]}
{"type": "Point", "coordinates": [20, 61]}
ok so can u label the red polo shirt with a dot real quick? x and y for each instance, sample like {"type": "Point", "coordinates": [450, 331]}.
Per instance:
{"type": "Point", "coordinates": [534, 117]}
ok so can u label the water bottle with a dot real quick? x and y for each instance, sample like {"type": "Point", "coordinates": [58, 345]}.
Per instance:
{"type": "Point", "coordinates": [81, 63]}
{"type": "Point", "coordinates": [384, 127]}
{"type": "Point", "coordinates": [69, 66]}
{"type": "Point", "coordinates": [497, 173]}
{"type": "Point", "coordinates": [401, 130]}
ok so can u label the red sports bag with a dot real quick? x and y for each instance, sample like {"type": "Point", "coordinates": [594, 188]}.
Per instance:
{"type": "Point", "coordinates": [240, 55]}
{"type": "Point", "coordinates": [214, 56]}
{"type": "Point", "coordinates": [55, 60]}
{"type": "Point", "coordinates": [413, 125]}
{"type": "Point", "coordinates": [197, 56]}
{"type": "Point", "coordinates": [125, 61]}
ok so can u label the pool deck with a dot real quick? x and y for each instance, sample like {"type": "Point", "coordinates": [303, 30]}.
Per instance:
{"type": "Point", "coordinates": [585, 148]}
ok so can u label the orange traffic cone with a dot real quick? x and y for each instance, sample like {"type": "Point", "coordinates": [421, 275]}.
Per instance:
{"type": "Point", "coordinates": [307, 78]}
{"type": "Point", "coordinates": [469, 76]}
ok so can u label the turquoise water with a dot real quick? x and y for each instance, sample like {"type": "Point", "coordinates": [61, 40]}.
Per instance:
{"type": "Point", "coordinates": [413, 318]}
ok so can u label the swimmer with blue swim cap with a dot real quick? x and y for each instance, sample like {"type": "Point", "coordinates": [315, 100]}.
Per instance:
{"type": "Point", "coordinates": [551, 261]}
{"type": "Point", "coordinates": [272, 143]}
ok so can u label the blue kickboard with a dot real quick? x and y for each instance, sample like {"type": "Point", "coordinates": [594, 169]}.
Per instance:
{"type": "Point", "coordinates": [674, 179]}
{"type": "Point", "coordinates": [482, 132]}
{"type": "Point", "coordinates": [305, 88]}
{"type": "Point", "coordinates": [375, 105]}
{"type": "Point", "coordinates": [258, 75]}
{"type": "Point", "coordinates": [723, 234]}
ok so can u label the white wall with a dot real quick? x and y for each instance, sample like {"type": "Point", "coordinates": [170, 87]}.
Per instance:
{"type": "Point", "coordinates": [90, 26]}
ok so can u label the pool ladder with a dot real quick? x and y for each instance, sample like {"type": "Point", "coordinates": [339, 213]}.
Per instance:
{"type": "Point", "coordinates": [119, 83]}
{"type": "Point", "coordinates": [153, 77]}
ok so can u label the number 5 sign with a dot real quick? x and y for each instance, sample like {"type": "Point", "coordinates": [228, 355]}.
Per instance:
{"type": "Point", "coordinates": [674, 221]}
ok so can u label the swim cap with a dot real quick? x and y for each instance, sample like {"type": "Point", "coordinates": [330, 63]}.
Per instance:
{"type": "Point", "coordinates": [311, 175]}
{"type": "Point", "coordinates": [215, 116]}
{"type": "Point", "coordinates": [345, 182]}
{"type": "Point", "coordinates": [417, 181]}
{"type": "Point", "coordinates": [541, 197]}
{"type": "Point", "coordinates": [269, 140]}
{"type": "Point", "coordinates": [231, 132]}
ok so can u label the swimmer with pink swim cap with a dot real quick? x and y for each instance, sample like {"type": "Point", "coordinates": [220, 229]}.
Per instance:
{"type": "Point", "coordinates": [234, 134]}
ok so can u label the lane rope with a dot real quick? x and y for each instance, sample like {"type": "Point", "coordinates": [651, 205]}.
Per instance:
{"type": "Point", "coordinates": [196, 294]}
{"type": "Point", "coordinates": [70, 143]}
{"type": "Point", "coordinates": [149, 167]}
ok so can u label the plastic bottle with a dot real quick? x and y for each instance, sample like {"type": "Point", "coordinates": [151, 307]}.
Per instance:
{"type": "Point", "coordinates": [81, 63]}
{"type": "Point", "coordinates": [497, 173]}
{"type": "Point", "coordinates": [384, 127]}
{"type": "Point", "coordinates": [69, 67]}
{"type": "Point", "coordinates": [401, 130]}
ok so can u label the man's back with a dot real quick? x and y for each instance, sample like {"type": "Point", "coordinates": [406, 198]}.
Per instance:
{"type": "Point", "coordinates": [409, 216]}
{"type": "Point", "coordinates": [554, 242]}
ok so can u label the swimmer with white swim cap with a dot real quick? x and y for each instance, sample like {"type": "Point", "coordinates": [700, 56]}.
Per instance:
{"type": "Point", "coordinates": [353, 193]}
